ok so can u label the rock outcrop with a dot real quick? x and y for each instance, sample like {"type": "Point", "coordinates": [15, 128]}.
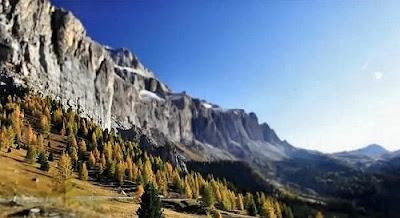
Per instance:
{"type": "Point", "coordinates": [50, 51]}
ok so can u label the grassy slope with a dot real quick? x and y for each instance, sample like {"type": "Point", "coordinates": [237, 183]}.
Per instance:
{"type": "Point", "coordinates": [17, 179]}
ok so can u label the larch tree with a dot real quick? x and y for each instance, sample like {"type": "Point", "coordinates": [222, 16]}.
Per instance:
{"type": "Point", "coordinates": [239, 202]}
{"type": "Point", "coordinates": [83, 172]}
{"type": "Point", "coordinates": [139, 191]}
{"type": "Point", "coordinates": [134, 172]}
{"type": "Point", "coordinates": [162, 183]}
{"type": "Point", "coordinates": [64, 168]}
{"type": "Point", "coordinates": [148, 175]}
{"type": "Point", "coordinates": [208, 197]}
{"type": "Point", "coordinates": [44, 124]}
{"type": "Point", "coordinates": [120, 172]}
{"type": "Point", "coordinates": [187, 189]}
{"type": "Point", "coordinates": [29, 135]}
{"type": "Point", "coordinates": [278, 209]}
{"type": "Point", "coordinates": [319, 215]}
{"type": "Point", "coordinates": [17, 122]}
{"type": "Point", "coordinates": [92, 160]}
{"type": "Point", "coordinates": [267, 209]}
{"type": "Point", "coordinates": [30, 154]}
{"type": "Point", "coordinates": [82, 148]}
{"type": "Point", "coordinates": [63, 175]}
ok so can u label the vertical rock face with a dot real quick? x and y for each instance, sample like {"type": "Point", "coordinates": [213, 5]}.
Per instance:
{"type": "Point", "coordinates": [51, 53]}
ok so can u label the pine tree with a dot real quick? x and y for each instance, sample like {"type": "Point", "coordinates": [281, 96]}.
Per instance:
{"type": "Point", "coordinates": [128, 164]}
{"type": "Point", "coordinates": [64, 168]}
{"type": "Point", "coordinates": [217, 192]}
{"type": "Point", "coordinates": [250, 205]}
{"type": "Point", "coordinates": [94, 140]}
{"type": "Point", "coordinates": [120, 172]}
{"type": "Point", "coordinates": [42, 160]}
{"type": "Point", "coordinates": [161, 182]}
{"type": "Point", "coordinates": [259, 199]}
{"type": "Point", "coordinates": [239, 202]}
{"type": "Point", "coordinates": [111, 169]}
{"type": "Point", "coordinates": [58, 118]}
{"type": "Point", "coordinates": [177, 182]}
{"type": "Point", "coordinates": [7, 137]}
{"type": "Point", "coordinates": [83, 172]}
{"type": "Point", "coordinates": [267, 209]}
{"type": "Point", "coordinates": [150, 204]}
{"type": "Point", "coordinates": [148, 175]}
{"type": "Point", "coordinates": [82, 149]}
{"type": "Point", "coordinates": [287, 212]}
{"type": "Point", "coordinates": [139, 191]}
{"type": "Point", "coordinates": [278, 209]}
{"type": "Point", "coordinates": [3, 138]}
{"type": "Point", "coordinates": [16, 122]}
{"type": "Point", "coordinates": [83, 128]}
{"type": "Point", "coordinates": [51, 156]}
{"type": "Point", "coordinates": [92, 160]}
{"type": "Point", "coordinates": [72, 141]}
{"type": "Point", "coordinates": [207, 196]}
{"type": "Point", "coordinates": [63, 175]}
{"type": "Point", "coordinates": [134, 172]}
{"type": "Point", "coordinates": [73, 154]}
{"type": "Point", "coordinates": [30, 154]}
{"type": "Point", "coordinates": [40, 143]}
{"type": "Point", "coordinates": [187, 189]}
{"type": "Point", "coordinates": [44, 124]}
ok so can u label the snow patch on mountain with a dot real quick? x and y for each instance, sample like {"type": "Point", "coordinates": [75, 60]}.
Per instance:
{"type": "Point", "coordinates": [207, 105]}
{"type": "Point", "coordinates": [140, 72]}
{"type": "Point", "coordinates": [148, 96]}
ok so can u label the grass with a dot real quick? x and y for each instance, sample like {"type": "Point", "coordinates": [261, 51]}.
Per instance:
{"type": "Point", "coordinates": [17, 178]}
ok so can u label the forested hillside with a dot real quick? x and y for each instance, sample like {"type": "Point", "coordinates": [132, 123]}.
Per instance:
{"type": "Point", "coordinates": [76, 146]}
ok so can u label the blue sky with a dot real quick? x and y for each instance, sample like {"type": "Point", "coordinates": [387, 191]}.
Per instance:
{"type": "Point", "coordinates": [324, 74]}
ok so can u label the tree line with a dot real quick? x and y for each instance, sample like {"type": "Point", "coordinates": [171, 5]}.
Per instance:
{"type": "Point", "coordinates": [93, 153]}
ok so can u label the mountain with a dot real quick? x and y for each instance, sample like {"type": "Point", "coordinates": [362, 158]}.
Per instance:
{"type": "Point", "coordinates": [372, 151]}
{"type": "Point", "coordinates": [47, 49]}
{"type": "Point", "coordinates": [363, 157]}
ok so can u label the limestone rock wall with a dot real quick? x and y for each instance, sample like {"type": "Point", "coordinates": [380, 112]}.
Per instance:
{"type": "Point", "coordinates": [51, 52]}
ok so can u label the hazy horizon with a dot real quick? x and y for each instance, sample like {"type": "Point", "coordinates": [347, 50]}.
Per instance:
{"type": "Point", "coordinates": [323, 75]}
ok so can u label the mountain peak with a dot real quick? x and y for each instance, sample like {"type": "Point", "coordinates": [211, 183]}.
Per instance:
{"type": "Point", "coordinates": [372, 150]}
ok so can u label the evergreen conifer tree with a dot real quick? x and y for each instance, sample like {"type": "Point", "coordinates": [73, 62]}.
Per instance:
{"type": "Point", "coordinates": [208, 196]}
{"type": "Point", "coordinates": [30, 154]}
{"type": "Point", "coordinates": [42, 160]}
{"type": "Point", "coordinates": [150, 204]}
{"type": "Point", "coordinates": [51, 156]}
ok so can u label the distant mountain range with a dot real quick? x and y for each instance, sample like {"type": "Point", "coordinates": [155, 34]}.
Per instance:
{"type": "Point", "coordinates": [372, 157]}
{"type": "Point", "coordinates": [366, 156]}
{"type": "Point", "coordinates": [373, 151]}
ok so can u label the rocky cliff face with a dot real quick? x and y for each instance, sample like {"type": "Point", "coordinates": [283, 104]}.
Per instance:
{"type": "Point", "coordinates": [46, 49]}
{"type": "Point", "coordinates": [50, 52]}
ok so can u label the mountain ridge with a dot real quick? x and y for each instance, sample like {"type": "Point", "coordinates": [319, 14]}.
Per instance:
{"type": "Point", "coordinates": [58, 59]}
{"type": "Point", "coordinates": [47, 49]}
{"type": "Point", "coordinates": [371, 150]}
